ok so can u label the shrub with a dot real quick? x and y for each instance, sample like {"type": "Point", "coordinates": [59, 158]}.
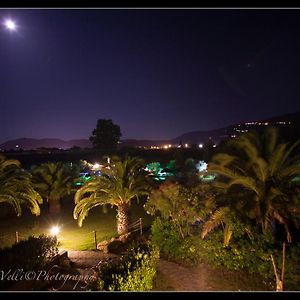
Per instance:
{"type": "Point", "coordinates": [173, 202]}
{"type": "Point", "coordinates": [29, 255]}
{"type": "Point", "coordinates": [252, 256]}
{"type": "Point", "coordinates": [166, 237]}
{"type": "Point", "coordinates": [138, 277]}
{"type": "Point", "coordinates": [135, 271]}
{"type": "Point", "coordinates": [237, 255]}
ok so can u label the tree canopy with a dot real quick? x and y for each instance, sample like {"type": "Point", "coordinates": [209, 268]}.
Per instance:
{"type": "Point", "coordinates": [106, 135]}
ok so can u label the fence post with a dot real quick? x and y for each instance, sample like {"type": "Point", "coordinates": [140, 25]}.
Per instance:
{"type": "Point", "coordinates": [17, 237]}
{"type": "Point", "coordinates": [141, 227]}
{"type": "Point", "coordinates": [95, 239]}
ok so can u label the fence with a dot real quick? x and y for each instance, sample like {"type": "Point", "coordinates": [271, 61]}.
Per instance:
{"type": "Point", "coordinates": [136, 226]}
{"type": "Point", "coordinates": [133, 227]}
{"type": "Point", "coordinates": [8, 239]}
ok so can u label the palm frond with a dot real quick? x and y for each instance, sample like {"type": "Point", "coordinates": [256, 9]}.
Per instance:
{"type": "Point", "coordinates": [276, 158]}
{"type": "Point", "coordinates": [216, 219]}
{"type": "Point", "coordinates": [119, 184]}
{"type": "Point", "coordinates": [271, 140]}
{"type": "Point", "coordinates": [16, 187]}
{"type": "Point", "coordinates": [246, 182]}
{"type": "Point", "coordinates": [260, 168]}
{"type": "Point", "coordinates": [227, 234]}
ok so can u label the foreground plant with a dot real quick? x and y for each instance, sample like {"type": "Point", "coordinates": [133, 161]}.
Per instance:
{"type": "Point", "coordinates": [16, 187]}
{"type": "Point", "coordinates": [139, 272]}
{"type": "Point", "coordinates": [257, 180]}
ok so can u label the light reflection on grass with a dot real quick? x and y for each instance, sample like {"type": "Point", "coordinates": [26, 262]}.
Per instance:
{"type": "Point", "coordinates": [71, 237]}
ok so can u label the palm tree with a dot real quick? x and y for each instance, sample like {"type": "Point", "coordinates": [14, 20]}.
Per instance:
{"type": "Point", "coordinates": [53, 182]}
{"type": "Point", "coordinates": [16, 187]}
{"type": "Point", "coordinates": [120, 183]}
{"type": "Point", "coordinates": [256, 181]}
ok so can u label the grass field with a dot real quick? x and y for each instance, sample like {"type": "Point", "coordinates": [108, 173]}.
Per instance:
{"type": "Point", "coordinates": [71, 236]}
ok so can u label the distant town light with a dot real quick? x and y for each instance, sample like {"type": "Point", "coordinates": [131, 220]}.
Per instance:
{"type": "Point", "coordinates": [200, 145]}
{"type": "Point", "coordinates": [166, 147]}
{"type": "Point", "coordinates": [186, 145]}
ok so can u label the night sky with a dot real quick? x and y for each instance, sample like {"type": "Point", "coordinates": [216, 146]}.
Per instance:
{"type": "Point", "coordinates": [156, 73]}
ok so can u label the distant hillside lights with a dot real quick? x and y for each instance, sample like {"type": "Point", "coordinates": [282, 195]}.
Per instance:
{"type": "Point", "coordinates": [169, 146]}
{"type": "Point", "coordinates": [250, 124]}
{"type": "Point", "coordinates": [268, 123]}
{"type": "Point", "coordinates": [241, 130]}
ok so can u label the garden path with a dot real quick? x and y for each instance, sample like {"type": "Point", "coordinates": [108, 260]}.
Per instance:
{"type": "Point", "coordinates": [81, 264]}
{"type": "Point", "coordinates": [172, 276]}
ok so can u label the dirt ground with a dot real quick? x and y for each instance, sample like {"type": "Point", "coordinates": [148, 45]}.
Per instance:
{"type": "Point", "coordinates": [172, 276]}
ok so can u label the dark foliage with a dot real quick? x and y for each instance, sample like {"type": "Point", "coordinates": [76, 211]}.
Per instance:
{"type": "Point", "coordinates": [28, 255]}
{"type": "Point", "coordinates": [109, 270]}
{"type": "Point", "coordinates": [105, 136]}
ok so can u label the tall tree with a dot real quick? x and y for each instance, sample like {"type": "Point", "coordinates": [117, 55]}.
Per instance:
{"type": "Point", "coordinates": [257, 178]}
{"type": "Point", "coordinates": [53, 181]}
{"type": "Point", "coordinates": [118, 186]}
{"type": "Point", "coordinates": [105, 136]}
{"type": "Point", "coordinates": [16, 187]}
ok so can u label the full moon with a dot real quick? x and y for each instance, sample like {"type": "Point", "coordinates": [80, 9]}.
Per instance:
{"type": "Point", "coordinates": [10, 25]}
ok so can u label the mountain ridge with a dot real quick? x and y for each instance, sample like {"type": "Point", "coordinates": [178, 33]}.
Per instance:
{"type": "Point", "coordinates": [193, 137]}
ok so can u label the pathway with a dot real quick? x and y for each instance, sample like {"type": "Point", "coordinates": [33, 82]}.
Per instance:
{"type": "Point", "coordinates": [172, 276]}
{"type": "Point", "coordinates": [87, 259]}
{"type": "Point", "coordinates": [82, 263]}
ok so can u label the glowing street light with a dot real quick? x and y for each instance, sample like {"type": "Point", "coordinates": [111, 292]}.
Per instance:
{"type": "Point", "coordinates": [200, 145]}
{"type": "Point", "coordinates": [10, 25]}
{"type": "Point", "coordinates": [54, 230]}
{"type": "Point", "coordinates": [186, 145]}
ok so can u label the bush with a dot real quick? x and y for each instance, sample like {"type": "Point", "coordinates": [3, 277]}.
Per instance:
{"type": "Point", "coordinates": [141, 276]}
{"type": "Point", "coordinates": [252, 256]}
{"type": "Point", "coordinates": [30, 255]}
{"type": "Point", "coordinates": [135, 271]}
{"type": "Point", "coordinates": [237, 255]}
{"type": "Point", "coordinates": [171, 245]}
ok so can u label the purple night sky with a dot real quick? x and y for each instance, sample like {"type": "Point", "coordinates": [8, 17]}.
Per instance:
{"type": "Point", "coordinates": [156, 73]}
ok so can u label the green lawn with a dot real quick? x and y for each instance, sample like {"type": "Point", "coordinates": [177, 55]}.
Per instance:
{"type": "Point", "coordinates": [71, 236]}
